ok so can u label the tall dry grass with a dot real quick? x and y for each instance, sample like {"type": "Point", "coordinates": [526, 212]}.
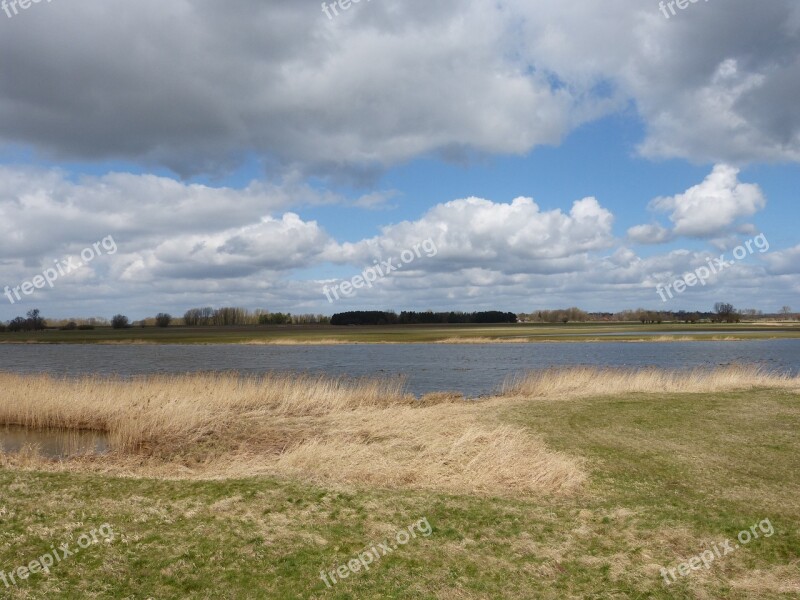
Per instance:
{"type": "Point", "coordinates": [333, 430]}
{"type": "Point", "coordinates": [362, 432]}
{"type": "Point", "coordinates": [591, 381]}
{"type": "Point", "coordinates": [180, 409]}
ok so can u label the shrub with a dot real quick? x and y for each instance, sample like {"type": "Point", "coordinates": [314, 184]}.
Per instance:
{"type": "Point", "coordinates": [119, 321]}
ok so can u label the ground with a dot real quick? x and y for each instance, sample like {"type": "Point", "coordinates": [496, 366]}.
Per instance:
{"type": "Point", "coordinates": [669, 476]}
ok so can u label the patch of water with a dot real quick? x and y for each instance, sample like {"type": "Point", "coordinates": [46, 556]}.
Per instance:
{"type": "Point", "coordinates": [53, 443]}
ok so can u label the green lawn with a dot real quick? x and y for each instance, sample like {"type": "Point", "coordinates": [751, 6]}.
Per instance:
{"type": "Point", "coordinates": [669, 477]}
{"type": "Point", "coordinates": [406, 334]}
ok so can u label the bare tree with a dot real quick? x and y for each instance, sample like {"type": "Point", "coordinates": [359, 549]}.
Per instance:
{"type": "Point", "coordinates": [726, 313]}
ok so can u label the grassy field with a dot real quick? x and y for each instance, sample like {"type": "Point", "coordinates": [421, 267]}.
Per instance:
{"type": "Point", "coordinates": [573, 484]}
{"type": "Point", "coordinates": [572, 332]}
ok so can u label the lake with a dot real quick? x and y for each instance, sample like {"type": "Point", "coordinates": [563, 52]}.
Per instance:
{"type": "Point", "coordinates": [474, 370]}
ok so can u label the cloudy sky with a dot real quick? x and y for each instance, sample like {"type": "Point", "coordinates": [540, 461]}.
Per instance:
{"type": "Point", "coordinates": [249, 153]}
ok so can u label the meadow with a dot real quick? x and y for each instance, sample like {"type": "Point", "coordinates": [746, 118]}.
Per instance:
{"type": "Point", "coordinates": [398, 334]}
{"type": "Point", "coordinates": [572, 483]}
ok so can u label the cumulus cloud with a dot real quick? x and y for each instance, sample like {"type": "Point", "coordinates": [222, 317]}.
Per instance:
{"type": "Point", "coordinates": [649, 234]}
{"type": "Point", "coordinates": [716, 83]}
{"type": "Point", "coordinates": [45, 211]}
{"type": "Point", "coordinates": [710, 209]}
{"type": "Point", "coordinates": [201, 86]}
{"type": "Point", "coordinates": [509, 237]}
{"type": "Point", "coordinates": [221, 246]}
{"type": "Point", "coordinates": [270, 245]}
{"type": "Point", "coordinates": [784, 262]}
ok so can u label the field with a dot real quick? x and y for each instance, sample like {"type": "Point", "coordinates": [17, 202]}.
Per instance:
{"type": "Point", "coordinates": [571, 332]}
{"type": "Point", "coordinates": [571, 484]}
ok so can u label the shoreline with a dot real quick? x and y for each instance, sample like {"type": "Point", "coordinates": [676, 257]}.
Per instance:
{"type": "Point", "coordinates": [444, 342]}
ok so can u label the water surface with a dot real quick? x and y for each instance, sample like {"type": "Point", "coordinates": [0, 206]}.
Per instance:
{"type": "Point", "coordinates": [472, 369]}
{"type": "Point", "coordinates": [53, 443]}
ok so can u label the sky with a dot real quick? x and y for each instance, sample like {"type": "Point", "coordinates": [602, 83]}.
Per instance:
{"type": "Point", "coordinates": [509, 155]}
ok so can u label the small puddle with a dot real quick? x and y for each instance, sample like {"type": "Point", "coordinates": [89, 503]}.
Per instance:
{"type": "Point", "coordinates": [53, 443]}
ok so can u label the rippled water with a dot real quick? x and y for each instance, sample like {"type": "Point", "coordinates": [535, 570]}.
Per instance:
{"type": "Point", "coordinates": [472, 369]}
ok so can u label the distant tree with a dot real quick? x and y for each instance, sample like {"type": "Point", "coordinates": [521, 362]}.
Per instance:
{"type": "Point", "coordinates": [310, 320]}
{"type": "Point", "coordinates": [726, 313]}
{"type": "Point", "coordinates": [275, 319]}
{"type": "Point", "coordinates": [17, 324]}
{"type": "Point", "coordinates": [195, 317]}
{"type": "Point", "coordinates": [786, 311]}
{"type": "Point", "coordinates": [163, 319]}
{"type": "Point", "coordinates": [751, 313]}
{"type": "Point", "coordinates": [119, 321]}
{"type": "Point", "coordinates": [71, 326]}
{"type": "Point", "coordinates": [35, 322]}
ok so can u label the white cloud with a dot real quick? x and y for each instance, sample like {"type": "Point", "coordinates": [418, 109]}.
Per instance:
{"type": "Point", "coordinates": [271, 245]}
{"type": "Point", "coordinates": [388, 82]}
{"type": "Point", "coordinates": [716, 83]}
{"type": "Point", "coordinates": [45, 212]}
{"type": "Point", "coordinates": [515, 237]}
{"type": "Point", "coordinates": [221, 246]}
{"type": "Point", "coordinates": [784, 262]}
{"type": "Point", "coordinates": [649, 234]}
{"type": "Point", "coordinates": [712, 207]}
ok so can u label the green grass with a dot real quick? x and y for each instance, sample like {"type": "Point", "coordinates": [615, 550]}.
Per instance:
{"type": "Point", "coordinates": [572, 332]}
{"type": "Point", "coordinates": [669, 475]}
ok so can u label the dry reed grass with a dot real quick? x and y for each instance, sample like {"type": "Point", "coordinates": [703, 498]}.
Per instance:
{"type": "Point", "coordinates": [296, 342]}
{"type": "Point", "coordinates": [332, 430]}
{"type": "Point", "coordinates": [589, 381]}
{"type": "Point", "coordinates": [329, 430]}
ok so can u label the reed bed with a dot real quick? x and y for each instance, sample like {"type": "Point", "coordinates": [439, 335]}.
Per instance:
{"type": "Point", "coordinates": [180, 409]}
{"type": "Point", "coordinates": [369, 432]}
{"type": "Point", "coordinates": [328, 430]}
{"type": "Point", "coordinates": [589, 381]}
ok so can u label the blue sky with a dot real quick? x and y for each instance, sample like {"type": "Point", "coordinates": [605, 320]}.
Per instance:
{"type": "Point", "coordinates": [554, 156]}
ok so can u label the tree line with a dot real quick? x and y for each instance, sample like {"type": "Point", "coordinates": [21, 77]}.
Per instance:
{"type": "Point", "coordinates": [375, 317]}
{"type": "Point", "coordinates": [723, 312]}
{"type": "Point", "coordinates": [207, 316]}
{"type": "Point", "coordinates": [33, 321]}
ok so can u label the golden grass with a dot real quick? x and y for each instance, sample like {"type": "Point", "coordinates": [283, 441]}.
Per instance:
{"type": "Point", "coordinates": [181, 409]}
{"type": "Point", "coordinates": [328, 430]}
{"type": "Point", "coordinates": [331, 430]}
{"type": "Point", "coordinates": [480, 340]}
{"type": "Point", "coordinates": [296, 342]}
{"type": "Point", "coordinates": [557, 339]}
{"type": "Point", "coordinates": [589, 381]}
